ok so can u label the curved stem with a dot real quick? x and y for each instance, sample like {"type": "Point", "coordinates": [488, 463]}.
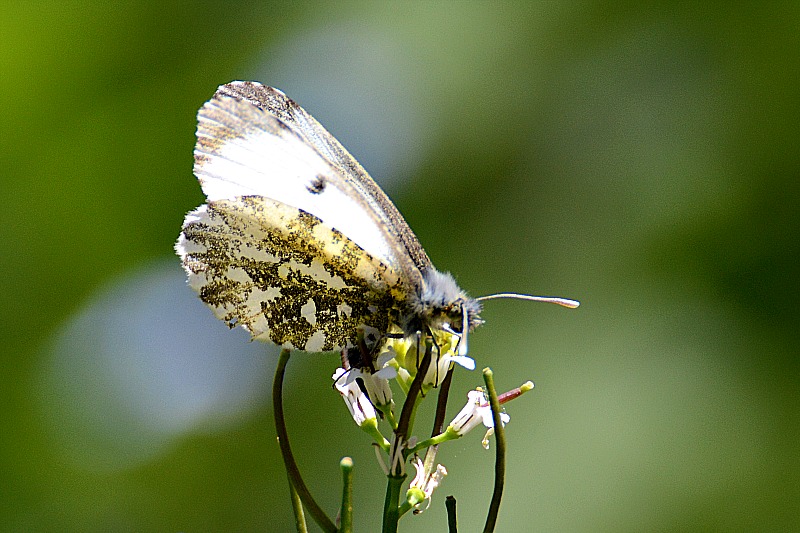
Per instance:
{"type": "Point", "coordinates": [292, 471]}
{"type": "Point", "coordinates": [500, 447]}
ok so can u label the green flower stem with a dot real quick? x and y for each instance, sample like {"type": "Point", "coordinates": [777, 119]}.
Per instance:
{"type": "Point", "coordinates": [413, 497]}
{"type": "Point", "coordinates": [370, 427]}
{"type": "Point", "coordinates": [292, 471]}
{"type": "Point", "coordinates": [346, 513]}
{"type": "Point", "coordinates": [388, 412]}
{"type": "Point", "coordinates": [403, 379]}
{"type": "Point", "coordinates": [500, 458]}
{"type": "Point", "coordinates": [391, 511]}
{"type": "Point", "coordinates": [449, 434]}
{"type": "Point", "coordinates": [297, 508]}
{"type": "Point", "coordinates": [410, 428]}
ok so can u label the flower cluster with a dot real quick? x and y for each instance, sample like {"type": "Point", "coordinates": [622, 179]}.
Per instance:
{"type": "Point", "coordinates": [368, 396]}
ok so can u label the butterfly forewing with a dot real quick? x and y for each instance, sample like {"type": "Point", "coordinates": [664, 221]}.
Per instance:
{"type": "Point", "coordinates": [406, 248]}
{"type": "Point", "coordinates": [284, 275]}
{"type": "Point", "coordinates": [241, 150]}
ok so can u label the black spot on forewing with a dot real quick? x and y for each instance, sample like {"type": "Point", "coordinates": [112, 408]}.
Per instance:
{"type": "Point", "coordinates": [317, 185]}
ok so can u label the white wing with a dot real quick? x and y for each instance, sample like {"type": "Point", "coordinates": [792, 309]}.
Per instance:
{"type": "Point", "coordinates": [253, 140]}
{"type": "Point", "coordinates": [290, 113]}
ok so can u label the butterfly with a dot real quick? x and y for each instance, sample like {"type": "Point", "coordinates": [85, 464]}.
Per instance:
{"type": "Point", "coordinates": [297, 243]}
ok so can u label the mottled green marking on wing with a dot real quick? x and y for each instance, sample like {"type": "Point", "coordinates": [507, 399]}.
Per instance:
{"type": "Point", "coordinates": [284, 275]}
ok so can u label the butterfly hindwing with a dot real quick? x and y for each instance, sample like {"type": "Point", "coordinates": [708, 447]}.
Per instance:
{"type": "Point", "coordinates": [284, 275]}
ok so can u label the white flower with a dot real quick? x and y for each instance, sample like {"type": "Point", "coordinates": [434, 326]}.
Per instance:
{"type": "Point", "coordinates": [377, 384]}
{"type": "Point", "coordinates": [437, 372]}
{"type": "Point", "coordinates": [361, 408]}
{"type": "Point", "coordinates": [425, 483]}
{"type": "Point", "coordinates": [476, 411]}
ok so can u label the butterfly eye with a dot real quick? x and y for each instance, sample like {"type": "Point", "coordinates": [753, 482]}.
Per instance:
{"type": "Point", "coordinates": [455, 317]}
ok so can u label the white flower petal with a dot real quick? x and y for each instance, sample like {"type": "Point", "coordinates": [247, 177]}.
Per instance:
{"type": "Point", "coordinates": [387, 372]}
{"type": "Point", "coordinates": [384, 358]}
{"type": "Point", "coordinates": [463, 360]}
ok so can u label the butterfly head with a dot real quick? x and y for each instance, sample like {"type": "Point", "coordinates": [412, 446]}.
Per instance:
{"type": "Point", "coordinates": [440, 304]}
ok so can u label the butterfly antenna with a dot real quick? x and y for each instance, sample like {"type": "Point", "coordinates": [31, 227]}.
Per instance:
{"type": "Point", "coordinates": [564, 302]}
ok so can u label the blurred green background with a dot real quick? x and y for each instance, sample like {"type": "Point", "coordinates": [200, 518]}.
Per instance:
{"type": "Point", "coordinates": [642, 158]}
